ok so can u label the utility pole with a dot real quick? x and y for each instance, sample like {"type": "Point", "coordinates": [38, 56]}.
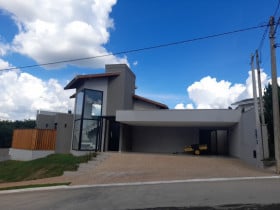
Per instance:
{"type": "Point", "coordinates": [260, 154]}
{"type": "Point", "coordinates": [263, 124]}
{"type": "Point", "coordinates": [275, 102]}
{"type": "Point", "coordinates": [260, 87]}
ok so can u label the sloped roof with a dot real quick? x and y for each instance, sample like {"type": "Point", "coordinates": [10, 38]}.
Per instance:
{"type": "Point", "coordinates": [160, 105]}
{"type": "Point", "coordinates": [74, 83]}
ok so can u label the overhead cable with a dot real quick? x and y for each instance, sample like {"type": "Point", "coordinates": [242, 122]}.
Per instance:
{"type": "Point", "coordinates": [140, 49]}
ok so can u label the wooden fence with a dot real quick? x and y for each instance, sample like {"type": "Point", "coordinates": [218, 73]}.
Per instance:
{"type": "Point", "coordinates": [34, 139]}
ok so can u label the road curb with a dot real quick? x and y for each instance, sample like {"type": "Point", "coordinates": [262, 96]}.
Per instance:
{"type": "Point", "coordinates": [138, 183]}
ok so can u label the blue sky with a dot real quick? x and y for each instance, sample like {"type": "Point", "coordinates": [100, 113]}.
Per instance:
{"type": "Point", "coordinates": [210, 73]}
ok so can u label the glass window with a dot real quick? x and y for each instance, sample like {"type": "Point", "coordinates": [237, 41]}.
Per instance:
{"type": "Point", "coordinates": [87, 120]}
{"type": "Point", "coordinates": [79, 105]}
{"type": "Point", "coordinates": [89, 134]}
{"type": "Point", "coordinates": [76, 135]}
{"type": "Point", "coordinates": [93, 104]}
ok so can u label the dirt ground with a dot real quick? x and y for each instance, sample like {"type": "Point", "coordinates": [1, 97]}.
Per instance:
{"type": "Point", "coordinates": [134, 167]}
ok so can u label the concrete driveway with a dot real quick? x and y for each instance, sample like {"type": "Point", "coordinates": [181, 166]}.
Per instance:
{"type": "Point", "coordinates": [134, 167]}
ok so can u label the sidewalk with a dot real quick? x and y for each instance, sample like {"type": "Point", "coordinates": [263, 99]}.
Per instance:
{"type": "Point", "coordinates": [133, 167]}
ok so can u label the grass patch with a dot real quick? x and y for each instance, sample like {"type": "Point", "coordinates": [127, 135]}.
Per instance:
{"type": "Point", "coordinates": [34, 186]}
{"type": "Point", "coordinates": [50, 166]}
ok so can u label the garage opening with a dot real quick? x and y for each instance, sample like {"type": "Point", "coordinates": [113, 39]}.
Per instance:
{"type": "Point", "coordinates": [215, 139]}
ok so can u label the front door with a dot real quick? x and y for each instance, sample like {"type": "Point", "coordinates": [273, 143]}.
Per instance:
{"type": "Point", "coordinates": [114, 136]}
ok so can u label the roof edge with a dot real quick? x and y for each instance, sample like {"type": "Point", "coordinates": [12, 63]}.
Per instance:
{"type": "Point", "coordinates": [79, 78]}
{"type": "Point", "coordinates": [162, 106]}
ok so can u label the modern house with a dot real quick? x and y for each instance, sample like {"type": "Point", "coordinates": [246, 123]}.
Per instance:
{"type": "Point", "coordinates": [109, 116]}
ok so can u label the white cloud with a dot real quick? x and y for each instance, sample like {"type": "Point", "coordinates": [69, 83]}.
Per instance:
{"type": "Point", "coordinates": [60, 30]}
{"type": "Point", "coordinates": [208, 93]}
{"type": "Point", "coordinates": [4, 64]}
{"type": "Point", "coordinates": [3, 48]}
{"type": "Point", "coordinates": [23, 94]}
{"type": "Point", "coordinates": [183, 106]}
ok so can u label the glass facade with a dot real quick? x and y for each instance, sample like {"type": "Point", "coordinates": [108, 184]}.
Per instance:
{"type": "Point", "coordinates": [87, 126]}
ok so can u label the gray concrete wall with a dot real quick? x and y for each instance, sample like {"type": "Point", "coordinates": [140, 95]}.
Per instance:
{"type": "Point", "coordinates": [242, 141]}
{"type": "Point", "coordinates": [120, 89]}
{"type": "Point", "coordinates": [64, 132]}
{"type": "Point", "coordinates": [234, 140]}
{"type": "Point", "coordinates": [163, 139]}
{"type": "Point", "coordinates": [45, 121]}
{"type": "Point", "coordinates": [64, 127]}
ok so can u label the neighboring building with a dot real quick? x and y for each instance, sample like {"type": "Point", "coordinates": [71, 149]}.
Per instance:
{"type": "Point", "coordinates": [53, 134]}
{"type": "Point", "coordinates": [62, 123]}
{"type": "Point", "coordinates": [245, 105]}
{"type": "Point", "coordinates": [110, 117]}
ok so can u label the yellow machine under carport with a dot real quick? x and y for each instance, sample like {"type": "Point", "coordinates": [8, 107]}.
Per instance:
{"type": "Point", "coordinates": [196, 148]}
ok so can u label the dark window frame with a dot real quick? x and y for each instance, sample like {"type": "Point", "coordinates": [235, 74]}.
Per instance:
{"type": "Point", "coordinates": [98, 119]}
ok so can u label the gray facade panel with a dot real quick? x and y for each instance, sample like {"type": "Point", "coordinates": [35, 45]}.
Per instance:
{"type": "Point", "coordinates": [44, 121]}
{"type": "Point", "coordinates": [120, 89]}
{"type": "Point", "coordinates": [64, 133]}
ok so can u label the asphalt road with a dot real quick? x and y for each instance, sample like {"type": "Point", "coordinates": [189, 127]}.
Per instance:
{"type": "Point", "coordinates": [192, 194]}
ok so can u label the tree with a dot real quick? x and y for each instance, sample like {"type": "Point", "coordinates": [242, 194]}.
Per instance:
{"type": "Point", "coordinates": [268, 114]}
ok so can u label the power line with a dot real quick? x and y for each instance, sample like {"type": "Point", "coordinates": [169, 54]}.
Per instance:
{"type": "Point", "coordinates": [263, 38]}
{"type": "Point", "coordinates": [276, 9]}
{"type": "Point", "coordinates": [141, 49]}
{"type": "Point", "coordinates": [278, 22]}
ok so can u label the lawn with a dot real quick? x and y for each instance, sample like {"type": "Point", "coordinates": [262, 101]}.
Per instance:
{"type": "Point", "coordinates": [50, 166]}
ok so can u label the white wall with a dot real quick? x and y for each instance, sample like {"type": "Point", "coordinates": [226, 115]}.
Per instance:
{"type": "Point", "coordinates": [242, 140]}
{"type": "Point", "coordinates": [24, 155]}
{"type": "Point", "coordinates": [163, 139]}
{"type": "Point", "coordinates": [4, 154]}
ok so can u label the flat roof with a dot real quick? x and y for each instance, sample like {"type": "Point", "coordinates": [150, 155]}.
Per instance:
{"type": "Point", "coordinates": [149, 101]}
{"type": "Point", "coordinates": [186, 118]}
{"type": "Point", "coordinates": [74, 83]}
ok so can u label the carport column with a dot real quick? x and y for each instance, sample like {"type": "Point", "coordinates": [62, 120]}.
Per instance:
{"type": "Point", "coordinates": [121, 138]}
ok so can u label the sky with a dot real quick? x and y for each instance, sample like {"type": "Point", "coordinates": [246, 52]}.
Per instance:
{"type": "Point", "coordinates": [207, 73]}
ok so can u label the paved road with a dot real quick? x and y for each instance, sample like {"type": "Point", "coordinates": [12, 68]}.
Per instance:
{"type": "Point", "coordinates": [216, 193]}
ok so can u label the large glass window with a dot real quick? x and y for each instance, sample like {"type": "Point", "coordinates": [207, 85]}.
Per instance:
{"type": "Point", "coordinates": [87, 120]}
{"type": "Point", "coordinates": [79, 105]}
{"type": "Point", "coordinates": [92, 104]}
{"type": "Point", "coordinates": [76, 134]}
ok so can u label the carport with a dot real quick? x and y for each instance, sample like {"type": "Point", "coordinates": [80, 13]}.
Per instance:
{"type": "Point", "coordinates": [168, 131]}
